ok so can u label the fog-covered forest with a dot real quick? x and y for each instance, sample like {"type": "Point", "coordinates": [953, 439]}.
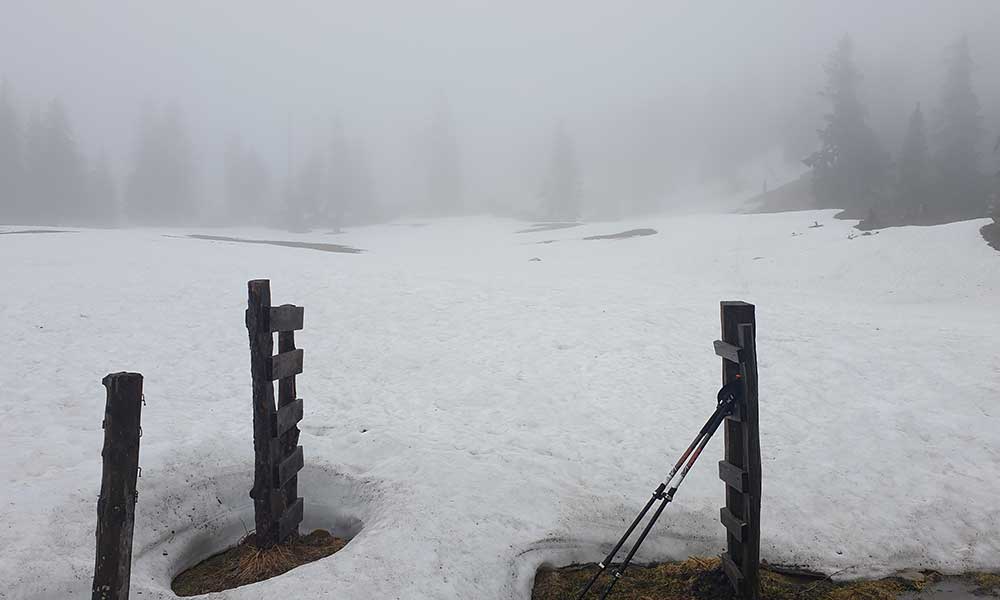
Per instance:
{"type": "Point", "coordinates": [324, 117]}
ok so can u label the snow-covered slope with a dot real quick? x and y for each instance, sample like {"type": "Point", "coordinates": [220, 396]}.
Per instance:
{"type": "Point", "coordinates": [471, 414]}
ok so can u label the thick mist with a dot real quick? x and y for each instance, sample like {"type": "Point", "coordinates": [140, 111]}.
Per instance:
{"type": "Point", "coordinates": [232, 110]}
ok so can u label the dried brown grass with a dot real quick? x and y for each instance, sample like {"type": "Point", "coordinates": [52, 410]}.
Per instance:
{"type": "Point", "coordinates": [245, 563]}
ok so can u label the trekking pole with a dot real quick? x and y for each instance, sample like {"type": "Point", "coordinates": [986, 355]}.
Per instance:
{"type": "Point", "coordinates": [725, 398]}
{"type": "Point", "coordinates": [713, 425]}
{"type": "Point", "coordinates": [657, 494]}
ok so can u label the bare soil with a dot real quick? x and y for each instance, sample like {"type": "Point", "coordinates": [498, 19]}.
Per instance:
{"type": "Point", "coordinates": [991, 233]}
{"type": "Point", "coordinates": [702, 579]}
{"type": "Point", "coordinates": [624, 234]}
{"type": "Point", "coordinates": [548, 227]}
{"type": "Point", "coordinates": [244, 563]}
{"type": "Point", "coordinates": [309, 245]}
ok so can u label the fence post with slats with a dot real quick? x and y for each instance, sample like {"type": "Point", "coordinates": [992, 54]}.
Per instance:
{"type": "Point", "coordinates": [740, 470]}
{"type": "Point", "coordinates": [277, 455]}
{"type": "Point", "coordinates": [116, 506]}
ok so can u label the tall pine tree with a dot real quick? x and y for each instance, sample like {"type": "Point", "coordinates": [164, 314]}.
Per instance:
{"type": "Point", "coordinates": [102, 194]}
{"type": "Point", "coordinates": [349, 196]}
{"type": "Point", "coordinates": [161, 185]}
{"type": "Point", "coordinates": [11, 158]}
{"type": "Point", "coordinates": [247, 184]}
{"type": "Point", "coordinates": [55, 177]}
{"type": "Point", "coordinates": [444, 177]}
{"type": "Point", "coordinates": [562, 186]}
{"type": "Point", "coordinates": [913, 189]}
{"type": "Point", "coordinates": [961, 185]}
{"type": "Point", "coordinates": [850, 168]}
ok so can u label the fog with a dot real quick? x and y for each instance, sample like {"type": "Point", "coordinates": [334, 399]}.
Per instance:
{"type": "Point", "coordinates": [668, 105]}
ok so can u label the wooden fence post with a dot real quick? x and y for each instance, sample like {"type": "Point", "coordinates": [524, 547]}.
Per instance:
{"type": "Point", "coordinates": [277, 455]}
{"type": "Point", "coordinates": [740, 469]}
{"type": "Point", "coordinates": [116, 506]}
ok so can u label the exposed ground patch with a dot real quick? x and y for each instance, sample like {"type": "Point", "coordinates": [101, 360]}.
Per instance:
{"type": "Point", "coordinates": [991, 233]}
{"type": "Point", "coordinates": [310, 245]}
{"type": "Point", "coordinates": [244, 563]}
{"type": "Point", "coordinates": [548, 227]}
{"type": "Point", "coordinates": [624, 234]}
{"type": "Point", "coordinates": [794, 195]}
{"type": "Point", "coordinates": [703, 579]}
{"type": "Point", "coordinates": [36, 231]}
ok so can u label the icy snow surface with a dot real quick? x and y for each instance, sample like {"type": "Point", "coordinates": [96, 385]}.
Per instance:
{"type": "Point", "coordinates": [472, 414]}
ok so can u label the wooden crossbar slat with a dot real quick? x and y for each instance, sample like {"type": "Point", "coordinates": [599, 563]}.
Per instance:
{"type": "Point", "coordinates": [290, 520]}
{"type": "Point", "coordinates": [286, 317]}
{"type": "Point", "coordinates": [736, 527]}
{"type": "Point", "coordinates": [287, 417]}
{"type": "Point", "coordinates": [735, 477]}
{"type": "Point", "coordinates": [728, 351]}
{"type": "Point", "coordinates": [286, 364]}
{"type": "Point", "coordinates": [289, 467]}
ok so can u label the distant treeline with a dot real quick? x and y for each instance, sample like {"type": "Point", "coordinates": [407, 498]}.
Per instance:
{"type": "Point", "coordinates": [945, 169]}
{"type": "Point", "coordinates": [46, 178]}
{"type": "Point", "coordinates": [939, 174]}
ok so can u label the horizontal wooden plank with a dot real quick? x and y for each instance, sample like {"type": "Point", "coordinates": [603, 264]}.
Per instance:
{"type": "Point", "coordinates": [287, 416]}
{"type": "Point", "coordinates": [737, 528]}
{"type": "Point", "coordinates": [290, 520]}
{"type": "Point", "coordinates": [289, 467]}
{"type": "Point", "coordinates": [725, 350]}
{"type": "Point", "coordinates": [734, 476]}
{"type": "Point", "coordinates": [732, 572]}
{"type": "Point", "coordinates": [286, 364]}
{"type": "Point", "coordinates": [286, 317]}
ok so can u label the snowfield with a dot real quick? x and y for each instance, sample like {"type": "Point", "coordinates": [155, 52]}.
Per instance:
{"type": "Point", "coordinates": [471, 414]}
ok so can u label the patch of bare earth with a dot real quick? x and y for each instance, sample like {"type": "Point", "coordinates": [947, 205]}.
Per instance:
{"type": "Point", "coordinates": [703, 579]}
{"type": "Point", "coordinates": [244, 563]}
{"type": "Point", "coordinates": [548, 227]}
{"type": "Point", "coordinates": [36, 231]}
{"type": "Point", "coordinates": [309, 245]}
{"type": "Point", "coordinates": [991, 233]}
{"type": "Point", "coordinates": [624, 234]}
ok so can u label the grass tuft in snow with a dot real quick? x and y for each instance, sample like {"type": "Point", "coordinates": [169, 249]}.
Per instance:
{"type": "Point", "coordinates": [700, 578]}
{"type": "Point", "coordinates": [245, 563]}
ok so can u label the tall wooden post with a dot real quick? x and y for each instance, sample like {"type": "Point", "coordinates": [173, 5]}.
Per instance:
{"type": "Point", "coordinates": [266, 506]}
{"type": "Point", "coordinates": [116, 506]}
{"type": "Point", "coordinates": [277, 455]}
{"type": "Point", "coordinates": [741, 468]}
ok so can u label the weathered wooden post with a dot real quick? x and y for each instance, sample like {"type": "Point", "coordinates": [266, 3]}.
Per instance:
{"type": "Point", "coordinates": [277, 455]}
{"type": "Point", "coordinates": [116, 506]}
{"type": "Point", "coordinates": [740, 470]}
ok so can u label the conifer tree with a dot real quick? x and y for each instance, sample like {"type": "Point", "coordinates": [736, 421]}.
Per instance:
{"type": "Point", "coordinates": [961, 184]}
{"type": "Point", "coordinates": [247, 184]}
{"type": "Point", "coordinates": [54, 172]}
{"type": "Point", "coordinates": [562, 187]}
{"type": "Point", "coordinates": [161, 184]}
{"type": "Point", "coordinates": [102, 193]}
{"type": "Point", "coordinates": [913, 191]}
{"type": "Point", "coordinates": [444, 178]}
{"type": "Point", "coordinates": [11, 157]}
{"type": "Point", "coordinates": [850, 168]}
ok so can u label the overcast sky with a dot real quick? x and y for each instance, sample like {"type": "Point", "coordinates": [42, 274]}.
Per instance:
{"type": "Point", "coordinates": [644, 87]}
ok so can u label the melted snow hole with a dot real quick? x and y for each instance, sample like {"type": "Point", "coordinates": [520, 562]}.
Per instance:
{"type": "Point", "coordinates": [205, 517]}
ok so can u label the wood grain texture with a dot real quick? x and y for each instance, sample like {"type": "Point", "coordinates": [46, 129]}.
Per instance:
{"type": "Point", "coordinates": [116, 505]}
